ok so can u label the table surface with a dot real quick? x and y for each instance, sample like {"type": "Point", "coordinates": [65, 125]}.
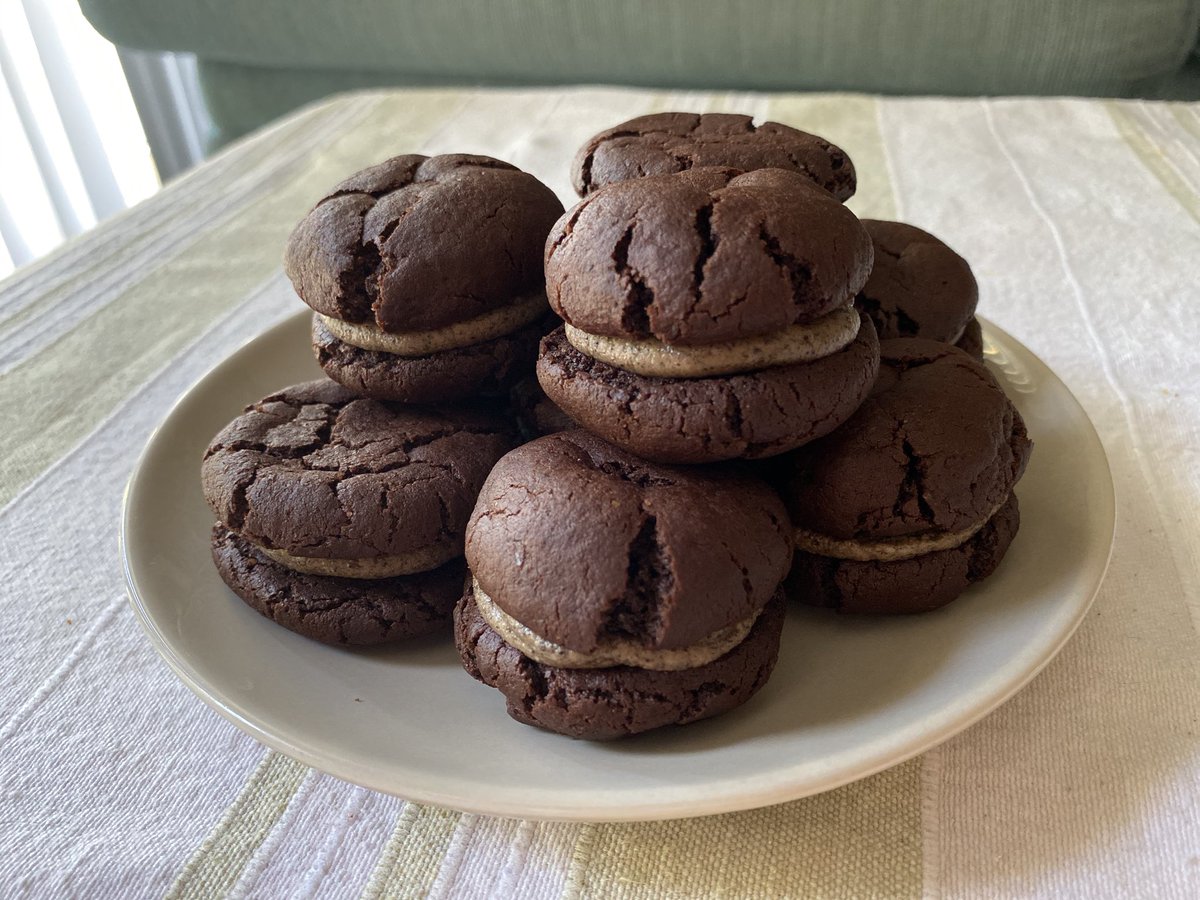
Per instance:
{"type": "Point", "coordinates": [1082, 221]}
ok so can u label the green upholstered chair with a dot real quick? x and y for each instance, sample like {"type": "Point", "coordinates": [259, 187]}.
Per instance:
{"type": "Point", "coordinates": [257, 60]}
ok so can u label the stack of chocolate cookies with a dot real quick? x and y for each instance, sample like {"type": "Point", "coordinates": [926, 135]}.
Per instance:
{"type": "Point", "coordinates": [693, 352]}
{"type": "Point", "coordinates": [342, 503]}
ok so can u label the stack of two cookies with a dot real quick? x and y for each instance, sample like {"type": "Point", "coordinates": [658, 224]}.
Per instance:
{"type": "Point", "coordinates": [341, 504]}
{"type": "Point", "coordinates": [628, 575]}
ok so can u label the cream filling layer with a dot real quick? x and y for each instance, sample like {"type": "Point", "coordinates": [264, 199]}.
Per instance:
{"type": "Point", "coordinates": [461, 334]}
{"type": "Point", "coordinates": [615, 652]}
{"type": "Point", "coordinates": [423, 560]}
{"type": "Point", "coordinates": [887, 549]}
{"type": "Point", "coordinates": [794, 344]}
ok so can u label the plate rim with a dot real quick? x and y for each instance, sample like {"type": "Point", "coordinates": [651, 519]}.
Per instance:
{"type": "Point", "coordinates": [751, 797]}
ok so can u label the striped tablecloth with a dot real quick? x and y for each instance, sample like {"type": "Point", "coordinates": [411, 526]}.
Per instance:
{"type": "Point", "coordinates": [1082, 220]}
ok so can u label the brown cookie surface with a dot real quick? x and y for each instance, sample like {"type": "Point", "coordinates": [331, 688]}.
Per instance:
{"type": "Point", "coordinates": [486, 368]}
{"type": "Point", "coordinates": [662, 143]}
{"type": "Point", "coordinates": [537, 414]}
{"type": "Point", "coordinates": [420, 242]}
{"type": "Point", "coordinates": [345, 611]}
{"type": "Point", "coordinates": [581, 542]}
{"type": "Point", "coordinates": [914, 585]}
{"type": "Point", "coordinates": [918, 287]}
{"type": "Point", "coordinates": [602, 704]}
{"type": "Point", "coordinates": [705, 255]}
{"type": "Point", "coordinates": [937, 447]}
{"type": "Point", "coordinates": [316, 471]}
{"type": "Point", "coordinates": [696, 420]}
{"type": "Point", "coordinates": [972, 339]}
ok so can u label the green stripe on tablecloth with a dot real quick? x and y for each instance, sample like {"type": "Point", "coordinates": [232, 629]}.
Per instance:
{"type": "Point", "coordinates": [862, 840]}
{"type": "Point", "coordinates": [170, 219]}
{"type": "Point", "coordinates": [1188, 117]}
{"type": "Point", "coordinates": [413, 854]}
{"type": "Point", "coordinates": [218, 862]}
{"type": "Point", "coordinates": [1152, 157]}
{"type": "Point", "coordinates": [850, 121]}
{"type": "Point", "coordinates": [57, 396]}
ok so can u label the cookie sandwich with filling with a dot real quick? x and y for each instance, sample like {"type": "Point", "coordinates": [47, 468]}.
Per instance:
{"type": "Point", "coordinates": [425, 277]}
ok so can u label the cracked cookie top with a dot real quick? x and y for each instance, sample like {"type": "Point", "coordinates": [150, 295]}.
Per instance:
{"type": "Point", "coordinates": [421, 242]}
{"type": "Point", "coordinates": [937, 447]}
{"type": "Point", "coordinates": [705, 255]}
{"type": "Point", "coordinates": [918, 287]}
{"type": "Point", "coordinates": [316, 471]}
{"type": "Point", "coordinates": [674, 142]}
{"type": "Point", "coordinates": [582, 542]}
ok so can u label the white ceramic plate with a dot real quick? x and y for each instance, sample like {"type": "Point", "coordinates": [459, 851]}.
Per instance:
{"type": "Point", "coordinates": [848, 698]}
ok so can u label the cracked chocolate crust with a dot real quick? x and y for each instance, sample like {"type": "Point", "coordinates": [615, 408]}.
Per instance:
{"type": "Point", "coordinates": [919, 287]}
{"type": "Point", "coordinates": [935, 448]}
{"type": "Point", "coordinates": [317, 471]}
{"type": "Point", "coordinates": [673, 142]}
{"type": "Point", "coordinates": [484, 369]}
{"type": "Point", "coordinates": [914, 585]}
{"type": "Point", "coordinates": [420, 242]}
{"type": "Point", "coordinates": [580, 541]}
{"type": "Point", "coordinates": [697, 420]}
{"type": "Point", "coordinates": [346, 611]}
{"type": "Point", "coordinates": [602, 704]}
{"type": "Point", "coordinates": [705, 255]}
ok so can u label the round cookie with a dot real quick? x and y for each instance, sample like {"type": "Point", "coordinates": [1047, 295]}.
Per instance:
{"type": "Point", "coordinates": [661, 143]}
{"type": "Point", "coordinates": [343, 611]}
{"type": "Point", "coordinates": [664, 582]}
{"type": "Point", "coordinates": [911, 499]}
{"type": "Point", "coordinates": [708, 314]}
{"type": "Point", "coordinates": [604, 704]}
{"type": "Point", "coordinates": [695, 420]}
{"type": "Point", "coordinates": [317, 472]}
{"type": "Point", "coordinates": [705, 256]}
{"type": "Point", "coordinates": [347, 498]}
{"type": "Point", "coordinates": [425, 273]}
{"type": "Point", "coordinates": [919, 584]}
{"type": "Point", "coordinates": [919, 287]}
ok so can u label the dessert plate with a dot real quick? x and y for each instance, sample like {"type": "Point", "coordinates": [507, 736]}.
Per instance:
{"type": "Point", "coordinates": [849, 697]}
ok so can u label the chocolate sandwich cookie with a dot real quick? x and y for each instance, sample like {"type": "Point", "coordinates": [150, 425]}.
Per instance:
{"type": "Point", "coordinates": [425, 274]}
{"type": "Point", "coordinates": [662, 143]}
{"type": "Point", "coordinates": [919, 287]}
{"type": "Point", "coordinates": [351, 611]}
{"type": "Point", "coordinates": [659, 606]}
{"type": "Point", "coordinates": [911, 500]}
{"type": "Point", "coordinates": [708, 314]}
{"type": "Point", "coordinates": [343, 517]}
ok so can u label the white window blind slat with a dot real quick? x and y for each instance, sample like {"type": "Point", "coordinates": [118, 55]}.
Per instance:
{"type": "Point", "coordinates": [72, 147]}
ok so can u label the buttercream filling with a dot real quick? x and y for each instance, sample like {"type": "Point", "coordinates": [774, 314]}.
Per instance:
{"type": "Point", "coordinates": [482, 328]}
{"type": "Point", "coordinates": [887, 549]}
{"type": "Point", "coordinates": [423, 560]}
{"type": "Point", "coordinates": [794, 344]}
{"type": "Point", "coordinates": [612, 652]}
